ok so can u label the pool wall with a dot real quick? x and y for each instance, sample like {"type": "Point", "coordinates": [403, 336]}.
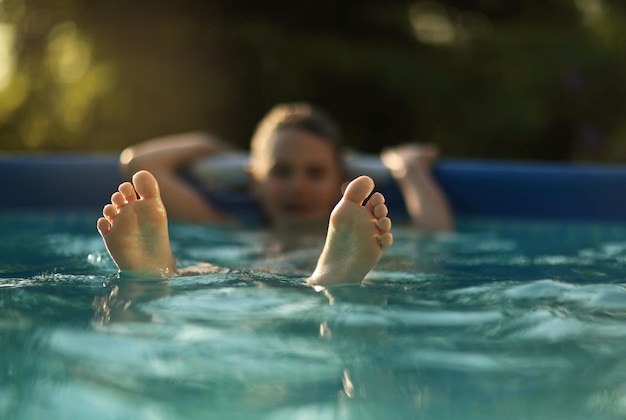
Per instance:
{"type": "Point", "coordinates": [475, 188]}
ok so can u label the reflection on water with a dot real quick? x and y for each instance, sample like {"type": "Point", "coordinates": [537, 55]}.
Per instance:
{"type": "Point", "coordinates": [501, 320]}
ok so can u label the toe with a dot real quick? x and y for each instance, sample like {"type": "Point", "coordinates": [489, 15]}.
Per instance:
{"type": "Point", "coordinates": [118, 199]}
{"type": "Point", "coordinates": [386, 241]}
{"type": "Point", "coordinates": [380, 211]}
{"type": "Point", "coordinates": [359, 189]}
{"type": "Point", "coordinates": [103, 226]}
{"type": "Point", "coordinates": [145, 184]}
{"type": "Point", "coordinates": [109, 211]}
{"type": "Point", "coordinates": [128, 191]}
{"type": "Point", "coordinates": [384, 224]}
{"type": "Point", "coordinates": [376, 199]}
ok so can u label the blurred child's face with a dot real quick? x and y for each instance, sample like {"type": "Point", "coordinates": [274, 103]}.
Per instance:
{"type": "Point", "coordinates": [298, 179]}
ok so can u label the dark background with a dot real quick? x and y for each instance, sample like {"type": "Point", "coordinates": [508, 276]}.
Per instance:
{"type": "Point", "coordinates": [505, 79]}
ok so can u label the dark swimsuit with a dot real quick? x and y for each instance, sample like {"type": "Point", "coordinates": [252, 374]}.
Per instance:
{"type": "Point", "coordinates": [245, 209]}
{"type": "Point", "coordinates": [237, 204]}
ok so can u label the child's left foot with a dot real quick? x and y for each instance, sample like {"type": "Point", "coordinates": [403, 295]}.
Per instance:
{"type": "Point", "coordinates": [135, 229]}
{"type": "Point", "coordinates": [357, 236]}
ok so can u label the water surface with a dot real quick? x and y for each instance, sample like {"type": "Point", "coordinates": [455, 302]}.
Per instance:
{"type": "Point", "coordinates": [504, 319]}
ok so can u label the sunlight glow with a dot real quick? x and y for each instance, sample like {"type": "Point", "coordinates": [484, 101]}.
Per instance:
{"type": "Point", "coordinates": [7, 56]}
{"type": "Point", "coordinates": [591, 10]}
{"type": "Point", "coordinates": [69, 56]}
{"type": "Point", "coordinates": [80, 81]}
{"type": "Point", "coordinates": [431, 23]}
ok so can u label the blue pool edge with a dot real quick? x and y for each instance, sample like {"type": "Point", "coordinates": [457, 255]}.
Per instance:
{"type": "Point", "coordinates": [475, 188]}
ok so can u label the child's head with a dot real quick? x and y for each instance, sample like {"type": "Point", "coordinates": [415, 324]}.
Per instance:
{"type": "Point", "coordinates": [296, 165]}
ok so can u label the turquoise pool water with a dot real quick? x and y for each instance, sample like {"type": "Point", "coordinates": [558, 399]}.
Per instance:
{"type": "Point", "coordinates": [505, 319]}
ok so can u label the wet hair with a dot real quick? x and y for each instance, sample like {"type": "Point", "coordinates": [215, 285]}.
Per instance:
{"type": "Point", "coordinates": [300, 116]}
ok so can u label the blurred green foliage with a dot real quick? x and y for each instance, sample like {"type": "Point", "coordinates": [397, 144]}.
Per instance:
{"type": "Point", "coordinates": [528, 79]}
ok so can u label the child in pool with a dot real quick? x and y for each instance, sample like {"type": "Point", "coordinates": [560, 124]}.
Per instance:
{"type": "Point", "coordinates": [135, 232]}
{"type": "Point", "coordinates": [296, 172]}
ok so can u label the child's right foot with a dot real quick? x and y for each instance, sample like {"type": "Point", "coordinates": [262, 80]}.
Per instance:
{"type": "Point", "coordinates": [134, 229]}
{"type": "Point", "coordinates": [357, 236]}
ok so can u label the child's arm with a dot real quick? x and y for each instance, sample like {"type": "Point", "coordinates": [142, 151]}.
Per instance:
{"type": "Point", "coordinates": [411, 166]}
{"type": "Point", "coordinates": [163, 157]}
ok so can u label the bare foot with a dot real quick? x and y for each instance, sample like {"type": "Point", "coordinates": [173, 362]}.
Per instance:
{"type": "Point", "coordinates": [135, 229]}
{"type": "Point", "coordinates": [357, 236]}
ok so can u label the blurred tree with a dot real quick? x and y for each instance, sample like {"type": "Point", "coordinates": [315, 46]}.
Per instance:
{"type": "Point", "coordinates": [481, 78]}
